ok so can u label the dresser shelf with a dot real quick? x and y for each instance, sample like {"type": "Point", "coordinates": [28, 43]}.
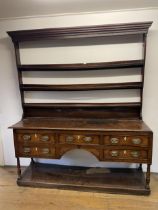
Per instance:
{"type": "Point", "coordinates": [81, 87]}
{"type": "Point", "coordinates": [89, 179]}
{"type": "Point", "coordinates": [73, 105]}
{"type": "Point", "coordinates": [82, 66]}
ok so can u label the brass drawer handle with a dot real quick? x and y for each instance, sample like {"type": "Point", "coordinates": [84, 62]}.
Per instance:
{"type": "Point", "coordinates": [26, 137]}
{"type": "Point", "coordinates": [135, 154]}
{"type": "Point", "coordinates": [69, 139]}
{"type": "Point", "coordinates": [114, 153]}
{"type": "Point", "coordinates": [44, 138]}
{"type": "Point", "coordinates": [27, 150]}
{"type": "Point", "coordinates": [45, 151]}
{"type": "Point", "coordinates": [87, 139]}
{"type": "Point", "coordinates": [136, 141]}
{"type": "Point", "coordinates": [114, 140]}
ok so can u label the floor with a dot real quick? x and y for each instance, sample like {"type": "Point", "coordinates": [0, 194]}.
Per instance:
{"type": "Point", "coordinates": [13, 197]}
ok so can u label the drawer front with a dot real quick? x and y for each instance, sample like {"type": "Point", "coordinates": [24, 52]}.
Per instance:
{"type": "Point", "coordinates": [27, 151]}
{"type": "Point", "coordinates": [119, 154]}
{"type": "Point", "coordinates": [78, 139]}
{"type": "Point", "coordinates": [33, 137]}
{"type": "Point", "coordinates": [127, 140]}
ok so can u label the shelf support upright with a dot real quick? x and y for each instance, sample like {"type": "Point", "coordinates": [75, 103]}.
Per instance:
{"type": "Point", "coordinates": [142, 73]}
{"type": "Point", "coordinates": [18, 62]}
{"type": "Point", "coordinates": [143, 70]}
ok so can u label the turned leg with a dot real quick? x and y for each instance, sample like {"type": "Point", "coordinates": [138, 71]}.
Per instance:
{"type": "Point", "coordinates": [18, 168]}
{"type": "Point", "coordinates": [148, 176]}
{"type": "Point", "coordinates": [32, 161]}
{"type": "Point", "coordinates": [140, 167]}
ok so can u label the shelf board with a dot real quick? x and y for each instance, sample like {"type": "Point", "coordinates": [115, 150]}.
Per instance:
{"type": "Point", "coordinates": [80, 31]}
{"type": "Point", "coordinates": [111, 180]}
{"type": "Point", "coordinates": [82, 66]}
{"type": "Point", "coordinates": [81, 87]}
{"type": "Point", "coordinates": [81, 105]}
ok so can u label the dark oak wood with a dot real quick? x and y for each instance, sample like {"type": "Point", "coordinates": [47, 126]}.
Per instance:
{"type": "Point", "coordinates": [109, 112]}
{"type": "Point", "coordinates": [73, 105]}
{"type": "Point", "coordinates": [82, 66]}
{"type": "Point", "coordinates": [124, 181]}
{"type": "Point", "coordinates": [99, 125]}
{"type": "Point", "coordinates": [83, 110]}
{"type": "Point", "coordinates": [143, 69]}
{"type": "Point", "coordinates": [18, 62]}
{"type": "Point", "coordinates": [148, 177]}
{"type": "Point", "coordinates": [18, 167]}
{"type": "Point", "coordinates": [79, 87]}
{"type": "Point", "coordinates": [81, 31]}
{"type": "Point", "coordinates": [112, 132]}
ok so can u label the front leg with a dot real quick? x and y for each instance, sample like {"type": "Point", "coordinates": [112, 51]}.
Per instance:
{"type": "Point", "coordinates": [32, 161]}
{"type": "Point", "coordinates": [18, 168]}
{"type": "Point", "coordinates": [140, 167]}
{"type": "Point", "coordinates": [148, 177]}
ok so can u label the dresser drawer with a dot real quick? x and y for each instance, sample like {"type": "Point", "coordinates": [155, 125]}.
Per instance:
{"type": "Point", "coordinates": [123, 155]}
{"type": "Point", "coordinates": [127, 140]}
{"type": "Point", "coordinates": [35, 137]}
{"type": "Point", "coordinates": [63, 149]}
{"type": "Point", "coordinates": [78, 139]}
{"type": "Point", "coordinates": [28, 151]}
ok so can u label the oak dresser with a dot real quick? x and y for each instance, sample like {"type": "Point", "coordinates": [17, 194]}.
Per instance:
{"type": "Point", "coordinates": [112, 132]}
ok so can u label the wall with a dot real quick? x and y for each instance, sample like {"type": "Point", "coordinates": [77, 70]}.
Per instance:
{"type": "Point", "coordinates": [10, 98]}
{"type": "Point", "coordinates": [1, 145]}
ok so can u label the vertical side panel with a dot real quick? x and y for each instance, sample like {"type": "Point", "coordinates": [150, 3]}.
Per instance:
{"type": "Point", "coordinates": [143, 70]}
{"type": "Point", "coordinates": [18, 62]}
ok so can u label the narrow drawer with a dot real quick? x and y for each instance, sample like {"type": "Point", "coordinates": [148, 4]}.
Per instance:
{"type": "Point", "coordinates": [46, 152]}
{"type": "Point", "coordinates": [79, 139]}
{"type": "Point", "coordinates": [32, 137]}
{"type": "Point", "coordinates": [119, 154]}
{"type": "Point", "coordinates": [27, 151]}
{"type": "Point", "coordinates": [127, 140]}
{"type": "Point", "coordinates": [63, 149]}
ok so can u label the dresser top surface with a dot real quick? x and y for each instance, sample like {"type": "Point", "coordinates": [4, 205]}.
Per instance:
{"type": "Point", "coordinates": [81, 124]}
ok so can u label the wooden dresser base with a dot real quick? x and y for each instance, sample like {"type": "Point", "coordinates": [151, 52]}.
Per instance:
{"type": "Point", "coordinates": [124, 181]}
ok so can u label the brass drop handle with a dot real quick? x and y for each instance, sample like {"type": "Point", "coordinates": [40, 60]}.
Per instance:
{"type": "Point", "coordinates": [27, 150]}
{"type": "Point", "coordinates": [135, 154]}
{"type": "Point", "coordinates": [136, 141]}
{"type": "Point", "coordinates": [69, 139]}
{"type": "Point", "coordinates": [114, 140]}
{"type": "Point", "coordinates": [87, 139]}
{"type": "Point", "coordinates": [125, 152]}
{"type": "Point", "coordinates": [45, 151]}
{"type": "Point", "coordinates": [26, 137]}
{"type": "Point", "coordinates": [44, 138]}
{"type": "Point", "coordinates": [114, 153]}
{"type": "Point", "coordinates": [125, 138]}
